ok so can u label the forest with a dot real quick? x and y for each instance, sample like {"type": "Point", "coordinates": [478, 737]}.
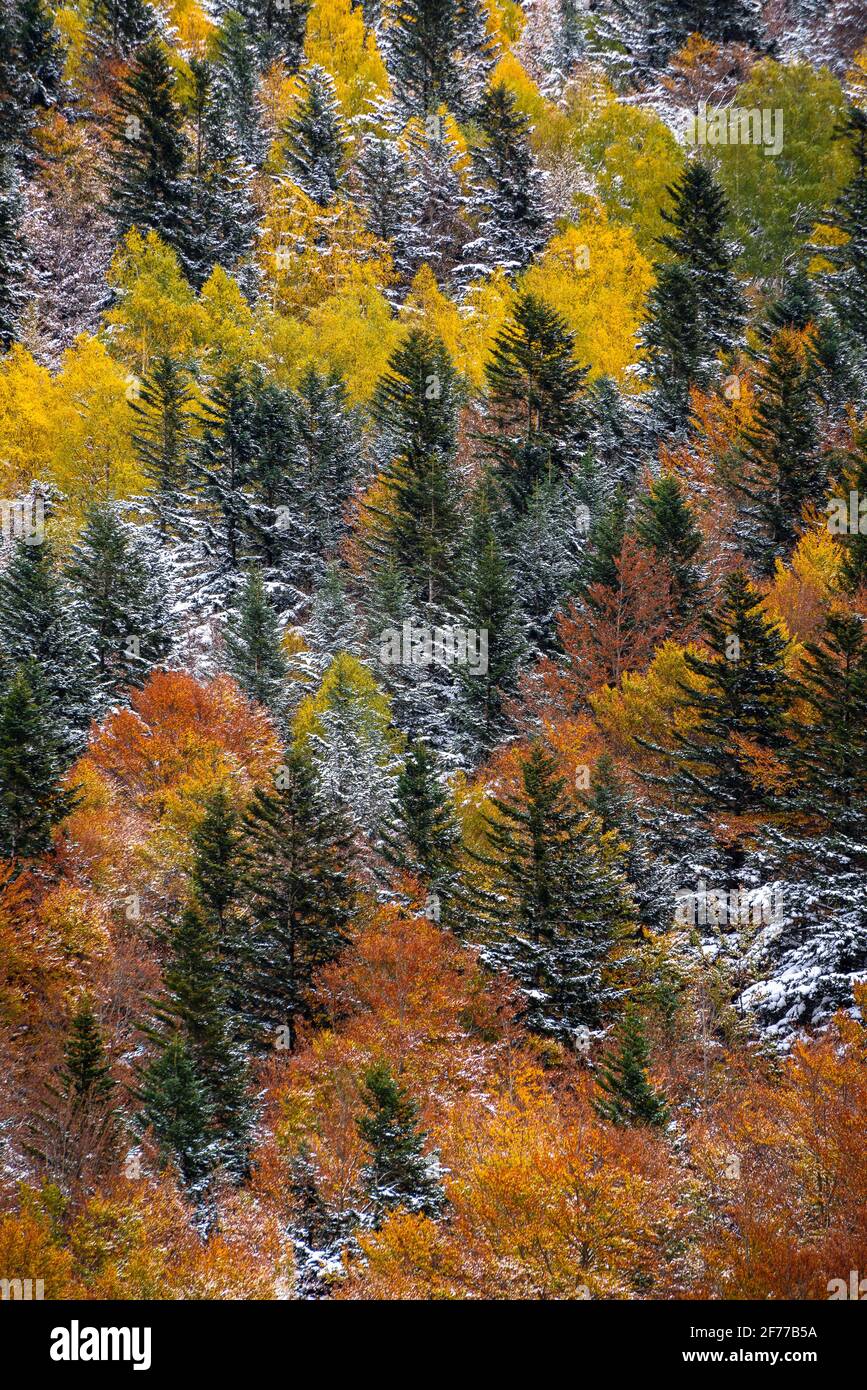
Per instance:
{"type": "Point", "coordinates": [433, 649]}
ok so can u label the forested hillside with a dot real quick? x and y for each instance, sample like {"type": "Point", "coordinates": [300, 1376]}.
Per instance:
{"type": "Point", "coordinates": [433, 663]}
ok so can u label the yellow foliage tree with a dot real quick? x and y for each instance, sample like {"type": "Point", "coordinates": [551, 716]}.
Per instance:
{"type": "Point", "coordinates": [337, 39]}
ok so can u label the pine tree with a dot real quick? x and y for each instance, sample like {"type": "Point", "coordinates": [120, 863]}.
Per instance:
{"type": "Point", "coordinates": [438, 53]}
{"type": "Point", "coordinates": [118, 28]}
{"type": "Point", "coordinates": [780, 466]}
{"type": "Point", "coordinates": [215, 868]}
{"type": "Point", "coordinates": [150, 190]}
{"type": "Point", "coordinates": [420, 837]}
{"type": "Point", "coordinates": [12, 252]}
{"type": "Point", "coordinates": [162, 439]}
{"type": "Point", "coordinates": [31, 801]}
{"type": "Point", "coordinates": [847, 286]}
{"type": "Point", "coordinates": [298, 896]}
{"type": "Point", "coordinates": [737, 712]}
{"type": "Point", "coordinates": [415, 405]}
{"type": "Point", "coordinates": [254, 655]}
{"type": "Point", "coordinates": [605, 542]}
{"type": "Point", "coordinates": [664, 524]}
{"type": "Point", "coordinates": [277, 28]}
{"type": "Point", "coordinates": [555, 904]}
{"type": "Point", "coordinates": [38, 623]}
{"type": "Point", "coordinates": [315, 139]}
{"type": "Point", "coordinates": [398, 1174]}
{"type": "Point", "coordinates": [172, 1104]}
{"type": "Point", "coordinates": [436, 226]}
{"type": "Point", "coordinates": [123, 600]}
{"type": "Point", "coordinates": [696, 310]}
{"type": "Point", "coordinates": [540, 421]}
{"type": "Point", "coordinates": [514, 222]}
{"type": "Point", "coordinates": [629, 1098]}
{"type": "Point", "coordinates": [74, 1130]}
{"type": "Point", "coordinates": [223, 219]}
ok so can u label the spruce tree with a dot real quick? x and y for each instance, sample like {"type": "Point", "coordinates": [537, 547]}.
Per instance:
{"type": "Point", "coordinates": [326, 462]}
{"type": "Point", "coordinates": [509, 186]}
{"type": "Point", "coordinates": [847, 286]}
{"type": "Point", "coordinates": [314, 138]}
{"type": "Point", "coordinates": [605, 542]}
{"type": "Point", "coordinates": [86, 1073]}
{"type": "Point", "coordinates": [297, 892]}
{"type": "Point", "coordinates": [222, 220]}
{"type": "Point", "coordinates": [420, 836]}
{"type": "Point", "coordinates": [535, 391]}
{"type": "Point", "coordinates": [398, 1173]}
{"type": "Point", "coordinates": [696, 309]}
{"type": "Point", "coordinates": [12, 252]}
{"type": "Point", "coordinates": [415, 405]}
{"type": "Point", "coordinates": [854, 543]}
{"type": "Point", "coordinates": [31, 800]}
{"type": "Point", "coordinates": [436, 227]}
{"type": "Point", "coordinates": [117, 28]}
{"type": "Point", "coordinates": [628, 1096]}
{"type": "Point", "coordinates": [277, 28]}
{"type": "Point", "coordinates": [254, 655]}
{"type": "Point", "coordinates": [232, 91]}
{"type": "Point", "coordinates": [123, 600]}
{"type": "Point", "coordinates": [550, 903]}
{"type": "Point", "coordinates": [74, 1131]}
{"type": "Point", "coordinates": [381, 173]}
{"type": "Point", "coordinates": [438, 53]}
{"type": "Point", "coordinates": [162, 439]}
{"type": "Point", "coordinates": [664, 524]}
{"type": "Point", "coordinates": [215, 868]}
{"type": "Point", "coordinates": [38, 623]}
{"type": "Point", "coordinates": [150, 190]}
{"type": "Point", "coordinates": [173, 1105]}
{"type": "Point", "coordinates": [780, 467]}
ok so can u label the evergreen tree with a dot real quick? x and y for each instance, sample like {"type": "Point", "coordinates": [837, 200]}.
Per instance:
{"type": "Point", "coordinates": [123, 600]}
{"type": "Point", "coordinates": [436, 227]}
{"type": "Point", "coordinates": [254, 655]}
{"type": "Point", "coordinates": [628, 1096]}
{"type": "Point", "coordinates": [223, 218]}
{"type": "Point", "coordinates": [664, 524]}
{"type": "Point", "coordinates": [333, 625]}
{"type": "Point", "coordinates": [415, 405]}
{"type": "Point", "coordinates": [224, 465]}
{"type": "Point", "coordinates": [511, 189]}
{"type": "Point", "coordinates": [420, 837]}
{"type": "Point", "coordinates": [695, 310]}
{"type": "Point", "coordinates": [737, 711]}
{"type": "Point", "coordinates": [150, 190]}
{"type": "Point", "coordinates": [232, 90]}
{"type": "Point", "coordinates": [780, 466]}
{"type": "Point", "coordinates": [162, 439]}
{"type": "Point", "coordinates": [381, 173]}
{"type": "Point", "coordinates": [74, 1131]}
{"type": "Point", "coordinates": [297, 893]}
{"type": "Point", "coordinates": [277, 28]}
{"type": "Point", "coordinates": [853, 541]}
{"type": "Point", "coordinates": [398, 1174]}
{"type": "Point", "coordinates": [555, 904]}
{"type": "Point", "coordinates": [31, 801]}
{"type": "Point", "coordinates": [215, 868]}
{"type": "Point", "coordinates": [541, 423]}
{"type": "Point", "coordinates": [172, 1104]}
{"type": "Point", "coordinates": [550, 525]}
{"type": "Point", "coordinates": [438, 53]}
{"type": "Point", "coordinates": [648, 32]}
{"type": "Point", "coordinates": [12, 252]}
{"type": "Point", "coordinates": [31, 78]}
{"type": "Point", "coordinates": [326, 460]}
{"type": "Point", "coordinates": [314, 138]}
{"type": "Point", "coordinates": [847, 286]}
{"type": "Point", "coordinates": [117, 28]}
{"type": "Point", "coordinates": [39, 624]}
{"type": "Point", "coordinates": [606, 542]}
{"type": "Point", "coordinates": [86, 1073]}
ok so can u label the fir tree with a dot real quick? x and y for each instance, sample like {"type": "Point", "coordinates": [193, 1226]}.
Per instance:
{"type": "Point", "coordinates": [438, 53]}
{"type": "Point", "coordinates": [173, 1105]}
{"type": "Point", "coordinates": [436, 227]}
{"type": "Point", "coordinates": [854, 544]}
{"type": "Point", "coordinates": [123, 600]}
{"type": "Point", "coordinates": [277, 28]}
{"type": "Point", "coordinates": [511, 189]}
{"type": "Point", "coordinates": [86, 1074]}
{"type": "Point", "coordinates": [780, 468]}
{"type": "Point", "coordinates": [535, 386]}
{"type": "Point", "coordinates": [664, 524]}
{"type": "Point", "coordinates": [149, 186]}
{"type": "Point", "coordinates": [381, 173]}
{"type": "Point", "coordinates": [556, 903]}
{"type": "Point", "coordinates": [254, 655]}
{"type": "Point", "coordinates": [215, 867]}
{"type": "Point", "coordinates": [74, 1131]}
{"type": "Point", "coordinates": [162, 439]}
{"type": "Point", "coordinates": [119, 27]}
{"type": "Point", "coordinates": [326, 459]}
{"type": "Point", "coordinates": [222, 221]}
{"type": "Point", "coordinates": [314, 138]}
{"type": "Point", "coordinates": [606, 542]}
{"type": "Point", "coordinates": [297, 893]}
{"type": "Point", "coordinates": [415, 405]}
{"type": "Point", "coordinates": [420, 837]}
{"type": "Point", "coordinates": [398, 1174]}
{"type": "Point", "coordinates": [233, 90]}
{"type": "Point", "coordinates": [31, 801]}
{"type": "Point", "coordinates": [12, 253]}
{"type": "Point", "coordinates": [629, 1098]}
{"type": "Point", "coordinates": [39, 624]}
{"type": "Point", "coordinates": [847, 286]}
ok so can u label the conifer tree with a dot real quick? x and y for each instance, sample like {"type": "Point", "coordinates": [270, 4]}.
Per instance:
{"type": "Point", "coordinates": [847, 286]}
{"type": "Point", "coordinates": [150, 190]}
{"type": "Point", "coordinates": [123, 600]}
{"type": "Point", "coordinates": [315, 139]}
{"type": "Point", "coordinates": [326, 458]}
{"type": "Point", "coordinates": [398, 1174]}
{"type": "Point", "coordinates": [333, 626]}
{"type": "Point", "coordinates": [162, 438]}
{"type": "Point", "coordinates": [738, 712]}
{"type": "Point", "coordinates": [628, 1096]}
{"type": "Point", "coordinates": [381, 173]}
{"type": "Point", "coordinates": [298, 897]}
{"type": "Point", "coordinates": [12, 252]}
{"type": "Point", "coordinates": [254, 655]}
{"type": "Point", "coordinates": [223, 471]}
{"type": "Point", "coordinates": [664, 524]}
{"type": "Point", "coordinates": [232, 90]}
{"type": "Point", "coordinates": [31, 800]}
{"type": "Point", "coordinates": [606, 539]}
{"type": "Point", "coordinates": [215, 868]}
{"type": "Point", "coordinates": [222, 220]}
{"type": "Point", "coordinates": [438, 53]}
{"type": "Point", "coordinates": [436, 227]}
{"type": "Point", "coordinates": [853, 541]}
{"type": "Point", "coordinates": [118, 27]}
{"type": "Point", "coordinates": [420, 837]}
{"type": "Point", "coordinates": [38, 623]}
{"type": "Point", "coordinates": [781, 468]}
{"type": "Point", "coordinates": [277, 27]}
{"type": "Point", "coordinates": [74, 1131]}
{"type": "Point", "coordinates": [510, 187]}
{"type": "Point", "coordinates": [695, 310]}
{"type": "Point", "coordinates": [540, 421]}
{"type": "Point", "coordinates": [556, 905]}
{"type": "Point", "coordinates": [415, 405]}
{"type": "Point", "coordinates": [172, 1103]}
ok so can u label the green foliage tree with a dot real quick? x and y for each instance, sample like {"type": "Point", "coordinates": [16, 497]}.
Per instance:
{"type": "Point", "coordinates": [398, 1174]}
